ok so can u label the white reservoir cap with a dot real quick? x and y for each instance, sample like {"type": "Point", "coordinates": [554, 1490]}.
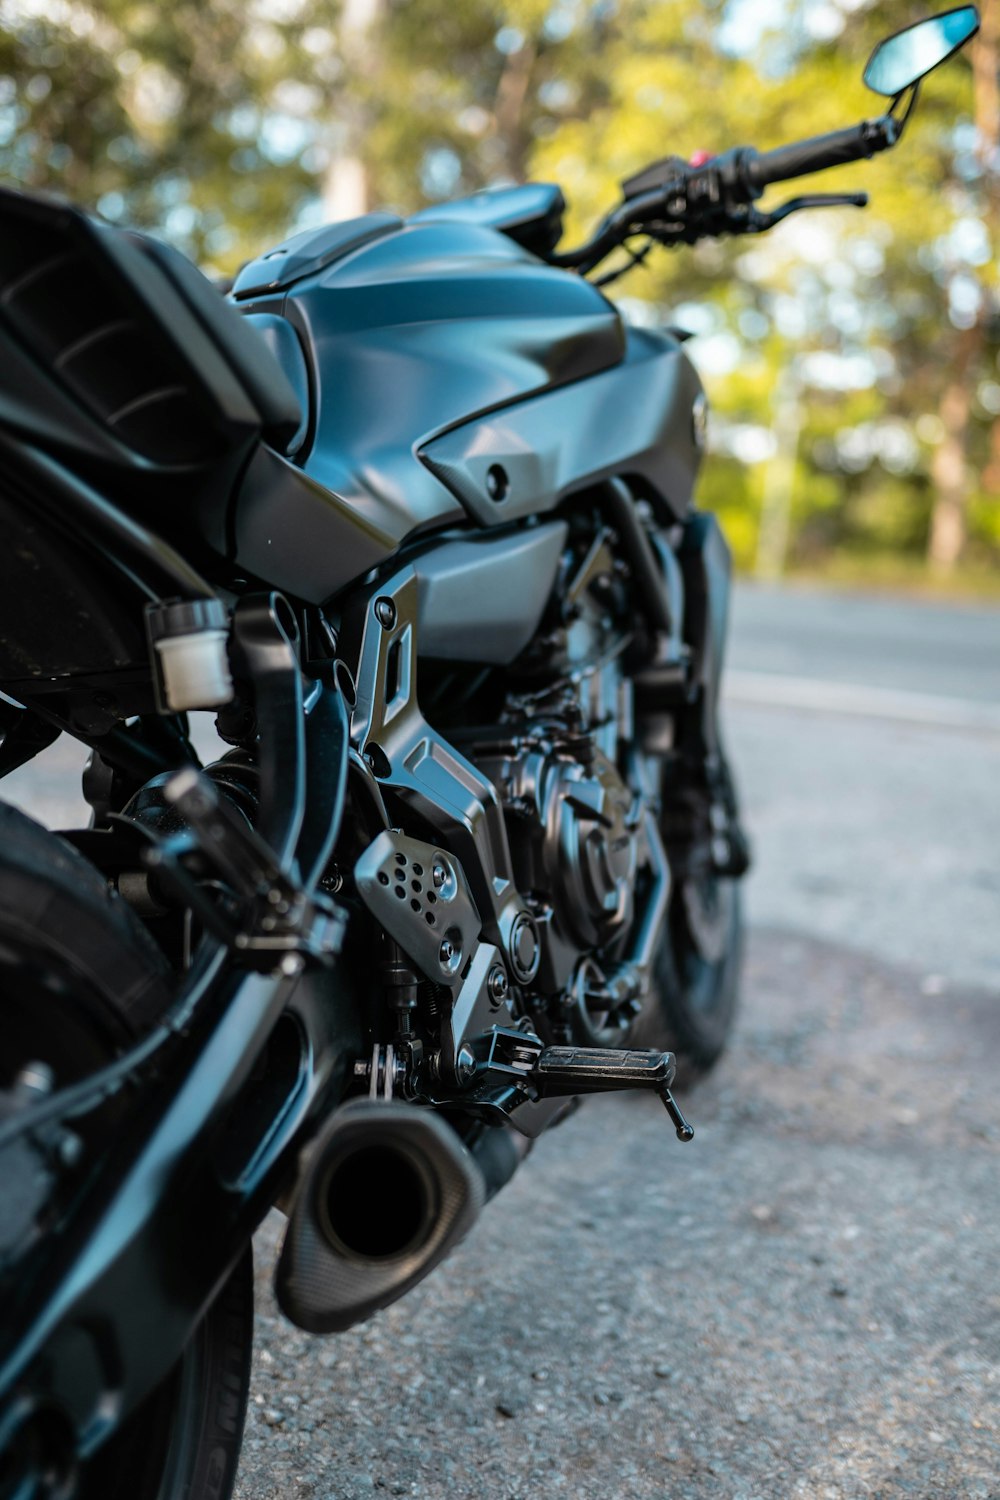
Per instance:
{"type": "Point", "coordinates": [190, 637]}
{"type": "Point", "coordinates": [195, 670]}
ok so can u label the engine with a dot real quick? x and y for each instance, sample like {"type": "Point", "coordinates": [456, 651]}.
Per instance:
{"type": "Point", "coordinates": [574, 826]}
{"type": "Point", "coordinates": [528, 784]}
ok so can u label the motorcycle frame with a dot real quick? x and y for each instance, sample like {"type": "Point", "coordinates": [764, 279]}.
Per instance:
{"type": "Point", "coordinates": [172, 1204]}
{"type": "Point", "coordinates": [164, 1219]}
{"type": "Point", "coordinates": [160, 1224]}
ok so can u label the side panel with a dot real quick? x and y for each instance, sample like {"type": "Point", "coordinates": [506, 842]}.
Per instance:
{"type": "Point", "coordinates": [636, 419]}
{"type": "Point", "coordinates": [298, 536]}
{"type": "Point", "coordinates": [480, 598]}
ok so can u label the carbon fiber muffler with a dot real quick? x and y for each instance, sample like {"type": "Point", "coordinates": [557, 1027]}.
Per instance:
{"type": "Point", "coordinates": [388, 1191]}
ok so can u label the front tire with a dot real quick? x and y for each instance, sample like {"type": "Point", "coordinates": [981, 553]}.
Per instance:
{"type": "Point", "coordinates": [79, 979]}
{"type": "Point", "coordinates": [693, 1004]}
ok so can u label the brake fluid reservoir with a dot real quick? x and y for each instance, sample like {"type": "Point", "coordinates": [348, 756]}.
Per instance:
{"type": "Point", "coordinates": [189, 637]}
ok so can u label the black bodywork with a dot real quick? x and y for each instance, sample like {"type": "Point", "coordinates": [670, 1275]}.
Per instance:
{"type": "Point", "coordinates": [443, 399]}
{"type": "Point", "coordinates": [448, 377]}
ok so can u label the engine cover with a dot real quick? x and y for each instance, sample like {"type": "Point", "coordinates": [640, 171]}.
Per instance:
{"type": "Point", "coordinates": [573, 827]}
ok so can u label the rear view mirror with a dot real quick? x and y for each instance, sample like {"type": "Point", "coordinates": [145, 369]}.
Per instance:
{"type": "Point", "coordinates": [905, 58]}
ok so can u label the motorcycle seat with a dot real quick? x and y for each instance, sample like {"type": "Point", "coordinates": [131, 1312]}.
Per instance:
{"type": "Point", "coordinates": [530, 214]}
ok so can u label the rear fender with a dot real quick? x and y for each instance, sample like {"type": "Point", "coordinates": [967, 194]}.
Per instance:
{"type": "Point", "coordinates": [119, 358]}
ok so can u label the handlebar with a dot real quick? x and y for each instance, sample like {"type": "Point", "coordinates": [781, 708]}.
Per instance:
{"type": "Point", "coordinates": [679, 204]}
{"type": "Point", "coordinates": [821, 151]}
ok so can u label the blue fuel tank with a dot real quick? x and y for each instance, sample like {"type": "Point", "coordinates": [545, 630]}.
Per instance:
{"type": "Point", "coordinates": [441, 353]}
{"type": "Point", "coordinates": [419, 329]}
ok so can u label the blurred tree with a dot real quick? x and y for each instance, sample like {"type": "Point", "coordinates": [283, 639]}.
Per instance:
{"type": "Point", "coordinates": [897, 304]}
{"type": "Point", "coordinates": [954, 481]}
{"type": "Point", "coordinates": [193, 118]}
{"type": "Point", "coordinates": [467, 90]}
{"type": "Point", "coordinates": [223, 124]}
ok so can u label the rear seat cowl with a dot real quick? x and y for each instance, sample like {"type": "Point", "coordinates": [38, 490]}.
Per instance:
{"type": "Point", "coordinates": [308, 252]}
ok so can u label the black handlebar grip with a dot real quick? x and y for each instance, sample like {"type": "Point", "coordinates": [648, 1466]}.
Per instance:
{"type": "Point", "coordinates": [818, 153]}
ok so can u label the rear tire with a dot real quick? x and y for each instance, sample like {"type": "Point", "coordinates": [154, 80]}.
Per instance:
{"type": "Point", "coordinates": [79, 978]}
{"type": "Point", "coordinates": [183, 1443]}
{"type": "Point", "coordinates": [693, 1004]}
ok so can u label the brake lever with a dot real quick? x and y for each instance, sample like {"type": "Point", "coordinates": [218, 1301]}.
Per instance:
{"type": "Point", "coordinates": [758, 221]}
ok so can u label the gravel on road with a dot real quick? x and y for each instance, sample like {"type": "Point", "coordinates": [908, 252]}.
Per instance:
{"type": "Point", "coordinates": [881, 836]}
{"type": "Point", "coordinates": [804, 1302]}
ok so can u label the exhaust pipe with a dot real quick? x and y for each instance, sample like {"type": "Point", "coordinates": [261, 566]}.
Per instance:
{"type": "Point", "coordinates": [388, 1191]}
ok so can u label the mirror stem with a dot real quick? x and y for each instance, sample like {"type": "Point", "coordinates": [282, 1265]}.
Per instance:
{"type": "Point", "coordinates": [909, 107]}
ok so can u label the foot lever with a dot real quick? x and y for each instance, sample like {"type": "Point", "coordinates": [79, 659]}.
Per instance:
{"type": "Point", "coordinates": [683, 1129]}
{"type": "Point", "coordinates": [600, 1070]}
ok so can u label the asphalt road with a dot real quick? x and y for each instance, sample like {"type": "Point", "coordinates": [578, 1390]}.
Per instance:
{"type": "Point", "coordinates": [866, 737]}
{"type": "Point", "coordinates": [942, 650]}
{"type": "Point", "coordinates": [805, 1301]}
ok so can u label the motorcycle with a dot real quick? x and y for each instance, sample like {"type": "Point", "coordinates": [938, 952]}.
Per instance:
{"type": "Point", "coordinates": [359, 962]}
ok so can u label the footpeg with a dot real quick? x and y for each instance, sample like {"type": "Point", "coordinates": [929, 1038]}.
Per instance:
{"type": "Point", "coordinates": [601, 1070]}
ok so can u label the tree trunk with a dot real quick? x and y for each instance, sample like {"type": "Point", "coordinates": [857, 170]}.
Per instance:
{"type": "Point", "coordinates": [346, 186]}
{"type": "Point", "coordinates": [779, 478]}
{"type": "Point", "coordinates": [950, 476]}
{"type": "Point", "coordinates": [508, 109]}
{"type": "Point", "coordinates": [949, 470]}
{"type": "Point", "coordinates": [985, 83]}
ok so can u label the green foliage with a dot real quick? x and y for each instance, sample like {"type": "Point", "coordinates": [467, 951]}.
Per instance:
{"type": "Point", "coordinates": [187, 118]}
{"type": "Point", "coordinates": [214, 123]}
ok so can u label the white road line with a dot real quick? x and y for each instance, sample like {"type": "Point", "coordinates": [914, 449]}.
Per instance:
{"type": "Point", "coordinates": [774, 690]}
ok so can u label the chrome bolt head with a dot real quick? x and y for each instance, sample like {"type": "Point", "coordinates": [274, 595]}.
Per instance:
{"type": "Point", "coordinates": [34, 1081]}
{"type": "Point", "coordinates": [465, 1064]}
{"type": "Point", "coordinates": [450, 953]}
{"type": "Point", "coordinates": [439, 875]}
{"type": "Point", "coordinates": [497, 985]}
{"type": "Point", "coordinates": [385, 613]}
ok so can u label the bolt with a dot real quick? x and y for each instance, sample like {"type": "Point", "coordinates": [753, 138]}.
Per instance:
{"type": "Point", "coordinates": [497, 483]}
{"type": "Point", "coordinates": [497, 984]}
{"type": "Point", "coordinates": [523, 947]}
{"type": "Point", "coordinates": [446, 953]}
{"type": "Point", "coordinates": [69, 1149]}
{"type": "Point", "coordinates": [465, 1063]}
{"type": "Point", "coordinates": [385, 613]}
{"type": "Point", "coordinates": [34, 1081]}
{"type": "Point", "coordinates": [439, 875]}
